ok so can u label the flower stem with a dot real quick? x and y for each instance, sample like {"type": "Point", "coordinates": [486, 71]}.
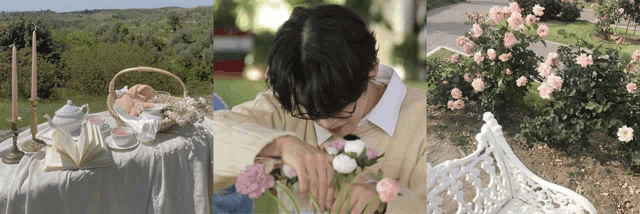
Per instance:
{"type": "Point", "coordinates": [290, 196]}
{"type": "Point", "coordinates": [313, 200]}
{"type": "Point", "coordinates": [370, 204]}
{"type": "Point", "coordinates": [353, 181]}
{"type": "Point", "coordinates": [278, 201]}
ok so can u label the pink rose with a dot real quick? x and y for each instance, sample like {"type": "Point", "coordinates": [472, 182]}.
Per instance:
{"type": "Point", "coordinates": [538, 10]}
{"type": "Point", "coordinates": [478, 85]}
{"type": "Point", "coordinates": [477, 31]}
{"type": "Point", "coordinates": [505, 57]}
{"type": "Point", "coordinates": [584, 60]}
{"type": "Point", "coordinates": [451, 105]}
{"type": "Point", "coordinates": [491, 53]}
{"type": "Point", "coordinates": [456, 93]}
{"type": "Point", "coordinates": [387, 189]}
{"type": "Point", "coordinates": [461, 40]}
{"type": "Point", "coordinates": [508, 71]}
{"type": "Point", "coordinates": [444, 82]}
{"type": "Point", "coordinates": [531, 19]}
{"type": "Point", "coordinates": [509, 40]}
{"type": "Point", "coordinates": [521, 82]}
{"type": "Point", "coordinates": [458, 104]}
{"type": "Point", "coordinates": [515, 8]}
{"type": "Point", "coordinates": [619, 41]}
{"type": "Point", "coordinates": [468, 48]}
{"type": "Point", "coordinates": [455, 58]}
{"type": "Point", "coordinates": [506, 12]}
{"type": "Point", "coordinates": [631, 87]}
{"type": "Point", "coordinates": [467, 77]}
{"type": "Point", "coordinates": [544, 69]}
{"type": "Point", "coordinates": [515, 20]}
{"type": "Point", "coordinates": [596, 20]}
{"type": "Point", "coordinates": [474, 16]}
{"type": "Point", "coordinates": [372, 153]}
{"type": "Point", "coordinates": [552, 59]}
{"type": "Point", "coordinates": [625, 134]}
{"type": "Point", "coordinates": [631, 67]}
{"type": "Point", "coordinates": [621, 10]}
{"type": "Point", "coordinates": [254, 181]}
{"type": "Point", "coordinates": [554, 81]}
{"type": "Point", "coordinates": [478, 57]}
{"type": "Point", "coordinates": [636, 55]}
{"type": "Point", "coordinates": [496, 14]}
{"type": "Point", "coordinates": [545, 91]}
{"type": "Point", "coordinates": [337, 144]}
{"type": "Point", "coordinates": [543, 30]}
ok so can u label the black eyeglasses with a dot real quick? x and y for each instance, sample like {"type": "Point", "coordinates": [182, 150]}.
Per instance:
{"type": "Point", "coordinates": [339, 115]}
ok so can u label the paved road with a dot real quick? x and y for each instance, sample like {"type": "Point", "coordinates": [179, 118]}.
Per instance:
{"type": "Point", "coordinates": [445, 24]}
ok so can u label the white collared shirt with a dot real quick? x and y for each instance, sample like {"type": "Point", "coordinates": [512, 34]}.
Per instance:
{"type": "Point", "coordinates": [385, 113]}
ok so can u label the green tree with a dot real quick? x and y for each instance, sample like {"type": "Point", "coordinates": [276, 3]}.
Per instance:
{"type": "Point", "coordinates": [174, 20]}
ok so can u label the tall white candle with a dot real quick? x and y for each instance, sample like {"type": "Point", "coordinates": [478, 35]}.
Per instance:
{"type": "Point", "coordinates": [14, 87]}
{"type": "Point", "coordinates": [34, 69]}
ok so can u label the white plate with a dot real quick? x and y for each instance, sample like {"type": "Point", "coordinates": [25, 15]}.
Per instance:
{"type": "Point", "coordinates": [112, 144]}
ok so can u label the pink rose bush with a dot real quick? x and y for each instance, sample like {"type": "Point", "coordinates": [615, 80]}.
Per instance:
{"type": "Point", "coordinates": [455, 58]}
{"type": "Point", "coordinates": [543, 31]}
{"type": "Point", "coordinates": [509, 40]}
{"type": "Point", "coordinates": [491, 54]}
{"type": "Point", "coordinates": [505, 57]}
{"type": "Point", "coordinates": [584, 60]}
{"type": "Point", "coordinates": [476, 31]}
{"type": "Point", "coordinates": [631, 87]}
{"type": "Point", "coordinates": [478, 57]}
{"type": "Point", "coordinates": [522, 81]}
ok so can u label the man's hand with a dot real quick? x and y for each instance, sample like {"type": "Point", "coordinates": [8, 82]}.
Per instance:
{"type": "Point", "coordinates": [313, 167]}
{"type": "Point", "coordinates": [362, 194]}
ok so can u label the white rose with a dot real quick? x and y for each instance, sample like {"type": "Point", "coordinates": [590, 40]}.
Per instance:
{"type": "Point", "coordinates": [332, 151]}
{"type": "Point", "coordinates": [344, 164]}
{"type": "Point", "coordinates": [356, 146]}
{"type": "Point", "coordinates": [288, 171]}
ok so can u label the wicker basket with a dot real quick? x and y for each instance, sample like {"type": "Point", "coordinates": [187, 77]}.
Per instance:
{"type": "Point", "coordinates": [111, 98]}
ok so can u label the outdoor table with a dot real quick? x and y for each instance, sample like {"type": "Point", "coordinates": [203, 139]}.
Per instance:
{"type": "Point", "coordinates": [169, 175]}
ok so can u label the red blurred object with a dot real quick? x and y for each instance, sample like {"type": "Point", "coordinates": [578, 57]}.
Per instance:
{"type": "Point", "coordinates": [226, 67]}
{"type": "Point", "coordinates": [231, 46]}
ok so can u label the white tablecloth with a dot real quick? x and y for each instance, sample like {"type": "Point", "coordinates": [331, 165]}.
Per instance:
{"type": "Point", "coordinates": [168, 176]}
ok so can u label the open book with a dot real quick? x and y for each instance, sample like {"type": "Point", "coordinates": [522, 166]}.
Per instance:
{"type": "Point", "coordinates": [88, 152]}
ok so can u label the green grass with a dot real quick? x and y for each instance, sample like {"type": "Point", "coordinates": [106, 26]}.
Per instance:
{"type": "Point", "coordinates": [441, 54]}
{"type": "Point", "coordinates": [48, 106]}
{"type": "Point", "coordinates": [585, 30]}
{"type": "Point", "coordinates": [433, 4]}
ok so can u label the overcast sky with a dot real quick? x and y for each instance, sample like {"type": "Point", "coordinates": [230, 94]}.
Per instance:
{"type": "Point", "coordinates": [75, 5]}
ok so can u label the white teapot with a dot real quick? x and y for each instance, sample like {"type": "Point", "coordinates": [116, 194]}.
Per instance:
{"type": "Point", "coordinates": [70, 117]}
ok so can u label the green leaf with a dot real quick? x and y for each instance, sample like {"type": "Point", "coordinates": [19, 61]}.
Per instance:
{"type": "Point", "coordinates": [591, 105]}
{"type": "Point", "coordinates": [636, 158]}
{"type": "Point", "coordinates": [543, 42]}
{"type": "Point", "coordinates": [380, 174]}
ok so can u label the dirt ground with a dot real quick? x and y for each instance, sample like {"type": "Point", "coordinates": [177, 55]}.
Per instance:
{"type": "Point", "coordinates": [596, 173]}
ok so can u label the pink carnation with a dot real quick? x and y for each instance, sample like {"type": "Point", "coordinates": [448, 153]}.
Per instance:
{"type": "Point", "coordinates": [538, 10]}
{"type": "Point", "coordinates": [584, 60]}
{"type": "Point", "coordinates": [531, 19]}
{"type": "Point", "coordinates": [543, 30]}
{"type": "Point", "coordinates": [509, 40]}
{"type": "Point", "coordinates": [372, 153]}
{"type": "Point", "coordinates": [478, 85]}
{"type": "Point", "coordinates": [508, 71]}
{"type": "Point", "coordinates": [631, 87]}
{"type": "Point", "coordinates": [254, 181]}
{"type": "Point", "coordinates": [491, 53]}
{"type": "Point", "coordinates": [387, 189]}
{"type": "Point", "coordinates": [455, 58]}
{"type": "Point", "coordinates": [477, 31]}
{"type": "Point", "coordinates": [478, 57]}
{"type": "Point", "coordinates": [515, 20]}
{"type": "Point", "coordinates": [461, 40]}
{"type": "Point", "coordinates": [337, 144]}
{"type": "Point", "coordinates": [544, 69]}
{"type": "Point", "coordinates": [505, 57]}
{"type": "Point", "coordinates": [467, 77]}
{"type": "Point", "coordinates": [545, 91]}
{"type": "Point", "coordinates": [521, 82]}
{"type": "Point", "coordinates": [456, 93]}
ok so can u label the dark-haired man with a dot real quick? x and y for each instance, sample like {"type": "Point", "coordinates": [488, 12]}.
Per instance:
{"type": "Point", "coordinates": [325, 82]}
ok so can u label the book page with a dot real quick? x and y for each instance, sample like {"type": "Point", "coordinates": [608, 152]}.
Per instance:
{"type": "Point", "coordinates": [99, 156]}
{"type": "Point", "coordinates": [64, 143]}
{"type": "Point", "coordinates": [54, 160]}
{"type": "Point", "coordinates": [88, 144]}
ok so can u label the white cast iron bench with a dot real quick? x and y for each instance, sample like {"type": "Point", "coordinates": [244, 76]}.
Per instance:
{"type": "Point", "coordinates": [496, 182]}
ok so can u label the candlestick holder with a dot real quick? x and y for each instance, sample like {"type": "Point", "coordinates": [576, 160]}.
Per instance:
{"type": "Point", "coordinates": [15, 155]}
{"type": "Point", "coordinates": [33, 144]}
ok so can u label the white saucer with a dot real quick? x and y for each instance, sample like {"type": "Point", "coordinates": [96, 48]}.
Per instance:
{"type": "Point", "coordinates": [112, 144]}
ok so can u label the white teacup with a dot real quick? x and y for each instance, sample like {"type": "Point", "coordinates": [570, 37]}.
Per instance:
{"type": "Point", "coordinates": [123, 136]}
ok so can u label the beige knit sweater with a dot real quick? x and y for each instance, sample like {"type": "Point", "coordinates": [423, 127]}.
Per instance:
{"type": "Point", "coordinates": [241, 133]}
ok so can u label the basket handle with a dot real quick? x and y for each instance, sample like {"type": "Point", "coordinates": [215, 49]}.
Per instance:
{"type": "Point", "coordinates": [143, 69]}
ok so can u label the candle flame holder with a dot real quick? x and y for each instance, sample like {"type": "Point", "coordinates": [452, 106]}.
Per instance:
{"type": "Point", "coordinates": [15, 155]}
{"type": "Point", "coordinates": [33, 144]}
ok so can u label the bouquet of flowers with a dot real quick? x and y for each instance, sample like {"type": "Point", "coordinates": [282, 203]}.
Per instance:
{"type": "Point", "coordinates": [185, 111]}
{"type": "Point", "coordinates": [349, 154]}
